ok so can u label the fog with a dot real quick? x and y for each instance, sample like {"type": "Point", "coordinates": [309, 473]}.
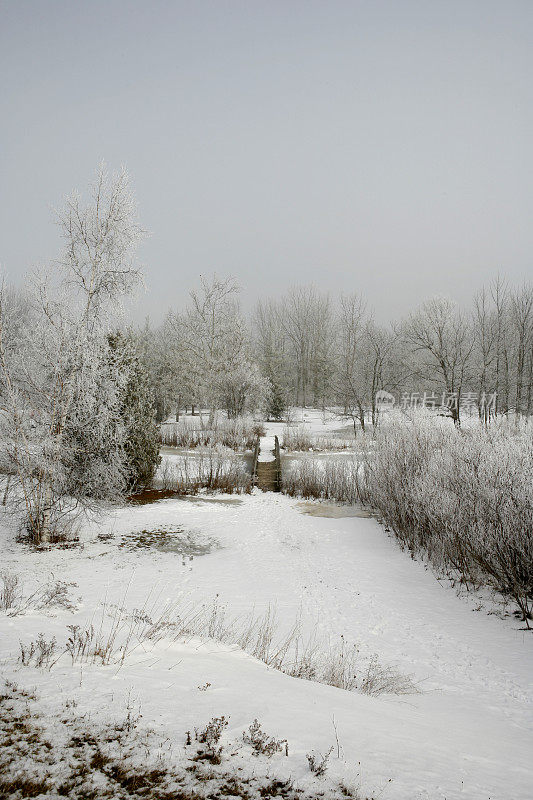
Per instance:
{"type": "Point", "coordinates": [382, 147]}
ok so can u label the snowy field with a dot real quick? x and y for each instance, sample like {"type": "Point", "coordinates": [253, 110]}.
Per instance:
{"type": "Point", "coordinates": [466, 733]}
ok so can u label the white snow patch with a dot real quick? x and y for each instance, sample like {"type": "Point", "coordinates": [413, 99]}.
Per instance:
{"type": "Point", "coordinates": [266, 449]}
{"type": "Point", "coordinates": [468, 735]}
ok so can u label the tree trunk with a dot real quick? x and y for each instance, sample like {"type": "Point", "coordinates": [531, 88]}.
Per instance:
{"type": "Point", "coordinates": [43, 532]}
{"type": "Point", "coordinates": [4, 500]}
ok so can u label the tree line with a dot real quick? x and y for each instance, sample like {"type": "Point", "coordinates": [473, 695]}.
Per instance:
{"type": "Point", "coordinates": [306, 349]}
{"type": "Point", "coordinates": [81, 393]}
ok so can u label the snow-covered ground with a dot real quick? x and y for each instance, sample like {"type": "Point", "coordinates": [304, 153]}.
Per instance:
{"type": "Point", "coordinates": [266, 448]}
{"type": "Point", "coordinates": [319, 422]}
{"type": "Point", "coordinates": [313, 420]}
{"type": "Point", "coordinates": [468, 733]}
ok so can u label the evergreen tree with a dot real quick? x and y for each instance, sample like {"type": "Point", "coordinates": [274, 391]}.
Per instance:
{"type": "Point", "coordinates": [276, 405]}
{"type": "Point", "coordinates": [141, 441]}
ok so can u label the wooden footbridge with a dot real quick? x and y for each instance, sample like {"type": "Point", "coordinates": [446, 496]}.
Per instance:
{"type": "Point", "coordinates": [267, 474]}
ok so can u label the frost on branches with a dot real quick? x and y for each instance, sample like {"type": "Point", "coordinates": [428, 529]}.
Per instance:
{"type": "Point", "coordinates": [211, 357]}
{"type": "Point", "coordinates": [63, 431]}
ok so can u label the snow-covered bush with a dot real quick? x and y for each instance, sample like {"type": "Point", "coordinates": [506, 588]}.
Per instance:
{"type": "Point", "coordinates": [296, 438]}
{"type": "Point", "coordinates": [463, 497]}
{"type": "Point", "coordinates": [327, 479]}
{"type": "Point", "coordinates": [299, 438]}
{"type": "Point", "coordinates": [261, 743]}
{"type": "Point", "coordinates": [14, 601]}
{"type": "Point", "coordinates": [210, 737]}
{"type": "Point", "coordinates": [214, 468]}
{"type": "Point", "coordinates": [318, 762]}
{"type": "Point", "coordinates": [238, 434]}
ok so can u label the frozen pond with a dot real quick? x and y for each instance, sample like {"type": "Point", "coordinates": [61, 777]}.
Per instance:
{"type": "Point", "coordinates": [332, 510]}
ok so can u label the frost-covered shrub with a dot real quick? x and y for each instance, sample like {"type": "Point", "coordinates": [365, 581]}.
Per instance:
{"type": "Point", "coordinates": [463, 497]}
{"type": "Point", "coordinates": [14, 601]}
{"type": "Point", "coordinates": [318, 762]}
{"type": "Point", "coordinates": [327, 479]}
{"type": "Point", "coordinates": [299, 438]}
{"type": "Point", "coordinates": [38, 653]}
{"type": "Point", "coordinates": [261, 743]}
{"type": "Point", "coordinates": [215, 468]}
{"type": "Point", "coordinates": [209, 737]}
{"type": "Point", "coordinates": [238, 434]}
{"type": "Point", "coordinates": [296, 438]}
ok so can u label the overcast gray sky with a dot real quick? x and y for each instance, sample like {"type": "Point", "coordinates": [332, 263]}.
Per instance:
{"type": "Point", "coordinates": [383, 146]}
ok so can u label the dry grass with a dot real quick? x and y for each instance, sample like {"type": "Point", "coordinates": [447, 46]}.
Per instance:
{"type": "Point", "coordinates": [297, 438]}
{"type": "Point", "coordinates": [14, 601]}
{"type": "Point", "coordinates": [334, 663]}
{"type": "Point", "coordinates": [331, 479]}
{"type": "Point", "coordinates": [236, 434]}
{"type": "Point", "coordinates": [119, 633]}
{"type": "Point", "coordinates": [9, 591]}
{"type": "Point", "coordinates": [212, 468]}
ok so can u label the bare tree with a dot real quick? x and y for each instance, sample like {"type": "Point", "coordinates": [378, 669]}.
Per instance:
{"type": "Point", "coordinates": [306, 319]}
{"type": "Point", "coordinates": [273, 355]}
{"type": "Point", "coordinates": [350, 382]}
{"type": "Point", "coordinates": [386, 368]}
{"type": "Point", "coordinates": [500, 299]}
{"type": "Point", "coordinates": [369, 362]}
{"type": "Point", "coordinates": [522, 324]}
{"type": "Point", "coordinates": [442, 339]}
{"type": "Point", "coordinates": [485, 354]}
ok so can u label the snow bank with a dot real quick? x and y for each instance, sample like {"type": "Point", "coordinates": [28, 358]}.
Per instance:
{"type": "Point", "coordinates": [468, 734]}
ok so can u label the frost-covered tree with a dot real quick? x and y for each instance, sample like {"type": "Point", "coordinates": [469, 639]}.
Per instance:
{"type": "Point", "coordinates": [307, 321]}
{"type": "Point", "coordinates": [296, 338]}
{"type": "Point", "coordinates": [442, 340]}
{"type": "Point", "coordinates": [185, 371]}
{"type": "Point", "coordinates": [369, 361]}
{"type": "Point", "coordinates": [241, 387]}
{"type": "Point", "coordinates": [162, 362]}
{"type": "Point", "coordinates": [522, 327]}
{"type": "Point", "coordinates": [273, 355]}
{"type": "Point", "coordinates": [59, 390]}
{"type": "Point", "coordinates": [276, 405]}
{"type": "Point", "coordinates": [212, 336]}
{"type": "Point", "coordinates": [385, 366]}
{"type": "Point", "coordinates": [214, 350]}
{"type": "Point", "coordinates": [503, 354]}
{"type": "Point", "coordinates": [350, 385]}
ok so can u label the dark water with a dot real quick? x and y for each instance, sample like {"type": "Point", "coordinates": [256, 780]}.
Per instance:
{"type": "Point", "coordinates": [175, 540]}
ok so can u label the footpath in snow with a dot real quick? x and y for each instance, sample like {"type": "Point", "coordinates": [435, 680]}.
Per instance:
{"type": "Point", "coordinates": [468, 733]}
{"type": "Point", "coordinates": [266, 449]}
